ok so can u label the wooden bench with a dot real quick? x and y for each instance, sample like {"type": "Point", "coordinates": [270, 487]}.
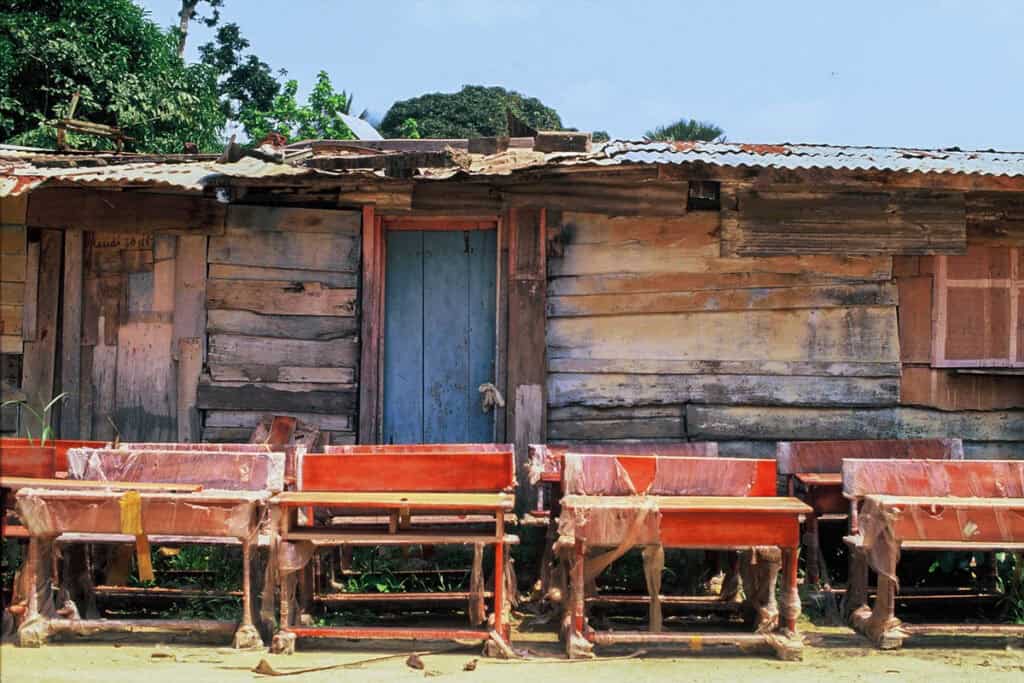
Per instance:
{"type": "Point", "coordinates": [621, 502]}
{"type": "Point", "coordinates": [396, 485]}
{"type": "Point", "coordinates": [813, 472]}
{"type": "Point", "coordinates": [123, 496]}
{"type": "Point", "coordinates": [926, 505]}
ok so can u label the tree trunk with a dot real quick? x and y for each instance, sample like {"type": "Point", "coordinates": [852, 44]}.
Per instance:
{"type": "Point", "coordinates": [188, 10]}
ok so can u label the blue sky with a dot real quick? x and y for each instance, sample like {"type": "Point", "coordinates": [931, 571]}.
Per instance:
{"type": "Point", "coordinates": [928, 74]}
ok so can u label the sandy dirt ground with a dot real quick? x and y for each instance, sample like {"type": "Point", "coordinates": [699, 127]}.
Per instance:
{"type": "Point", "coordinates": [832, 654]}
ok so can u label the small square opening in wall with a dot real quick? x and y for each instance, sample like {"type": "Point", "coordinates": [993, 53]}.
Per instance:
{"type": "Point", "coordinates": [704, 195]}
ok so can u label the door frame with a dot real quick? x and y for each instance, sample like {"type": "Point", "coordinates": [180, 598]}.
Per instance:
{"type": "Point", "coordinates": [373, 283]}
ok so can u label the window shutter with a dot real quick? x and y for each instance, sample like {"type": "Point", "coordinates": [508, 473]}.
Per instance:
{"type": "Point", "coordinates": [979, 310]}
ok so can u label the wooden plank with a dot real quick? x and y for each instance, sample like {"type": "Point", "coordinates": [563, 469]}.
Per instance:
{"type": "Point", "coordinates": [104, 385]}
{"type": "Point", "coordinates": [11, 320]}
{"type": "Point", "coordinates": [189, 367]}
{"type": "Point", "coordinates": [40, 355]}
{"type": "Point", "coordinates": [404, 320]}
{"type": "Point", "coordinates": [86, 394]}
{"type": "Point", "coordinates": [13, 209]}
{"type": "Point", "coordinates": [345, 280]}
{"type": "Point", "coordinates": [908, 222]}
{"type": "Point", "coordinates": [723, 367]}
{"type": "Point", "coordinates": [13, 250]}
{"type": "Point", "coordinates": [622, 199]}
{"type": "Point", "coordinates": [281, 373]}
{"type": "Point", "coordinates": [722, 422]}
{"type": "Point", "coordinates": [71, 336]}
{"type": "Point", "coordinates": [777, 298]}
{"type": "Point", "coordinates": [314, 328]}
{"type": "Point", "coordinates": [994, 450]}
{"type": "Point", "coordinates": [1004, 425]}
{"type": "Point", "coordinates": [948, 390]}
{"type": "Point", "coordinates": [250, 419]}
{"type": "Point", "coordinates": [860, 334]}
{"type": "Point", "coordinates": [112, 211]}
{"type": "Point", "coordinates": [236, 350]}
{"type": "Point", "coordinates": [11, 344]}
{"type": "Point", "coordinates": [190, 293]}
{"type": "Point", "coordinates": [372, 328]}
{"type": "Point", "coordinates": [995, 218]}
{"type": "Point", "coordinates": [623, 390]}
{"type": "Point", "coordinates": [278, 297]}
{"type": "Point", "coordinates": [276, 397]}
{"type": "Point", "coordinates": [12, 294]}
{"type": "Point", "coordinates": [527, 368]}
{"type": "Point", "coordinates": [31, 296]}
{"type": "Point", "coordinates": [583, 413]}
{"type": "Point", "coordinates": [287, 219]}
{"type": "Point", "coordinates": [146, 407]}
{"type": "Point", "coordinates": [606, 430]}
{"type": "Point", "coordinates": [915, 318]}
{"type": "Point", "coordinates": [308, 251]}
{"type": "Point", "coordinates": [785, 423]}
{"type": "Point", "coordinates": [696, 231]}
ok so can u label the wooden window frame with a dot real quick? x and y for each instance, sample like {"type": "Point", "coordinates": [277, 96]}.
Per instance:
{"type": "Point", "coordinates": [1014, 283]}
{"type": "Point", "coordinates": [373, 282]}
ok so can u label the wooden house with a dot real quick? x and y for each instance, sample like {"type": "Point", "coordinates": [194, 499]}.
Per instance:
{"type": "Point", "coordinates": [743, 294]}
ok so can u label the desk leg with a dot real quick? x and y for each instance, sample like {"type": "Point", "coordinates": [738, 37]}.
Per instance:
{"type": "Point", "coordinates": [786, 641]}
{"type": "Point", "coordinates": [247, 637]}
{"type": "Point", "coordinates": [812, 541]}
{"type": "Point", "coordinates": [39, 601]}
{"type": "Point", "coordinates": [789, 600]}
{"type": "Point", "coordinates": [576, 644]}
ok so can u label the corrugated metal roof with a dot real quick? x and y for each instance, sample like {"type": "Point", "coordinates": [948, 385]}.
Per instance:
{"type": "Point", "coordinates": [789, 156]}
{"type": "Point", "coordinates": [190, 176]}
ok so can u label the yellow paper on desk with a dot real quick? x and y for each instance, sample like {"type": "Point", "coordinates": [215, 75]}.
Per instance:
{"type": "Point", "coordinates": [131, 523]}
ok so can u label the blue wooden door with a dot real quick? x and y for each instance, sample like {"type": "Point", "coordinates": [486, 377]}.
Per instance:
{"type": "Point", "coordinates": [439, 335]}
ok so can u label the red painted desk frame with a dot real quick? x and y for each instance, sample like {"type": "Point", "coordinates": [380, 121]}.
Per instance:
{"type": "Point", "coordinates": [704, 523]}
{"type": "Point", "coordinates": [976, 489]}
{"type": "Point", "coordinates": [398, 482]}
{"type": "Point", "coordinates": [813, 472]}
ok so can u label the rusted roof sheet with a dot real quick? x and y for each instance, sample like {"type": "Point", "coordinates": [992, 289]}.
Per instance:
{"type": "Point", "coordinates": [789, 156]}
{"type": "Point", "coordinates": [190, 177]}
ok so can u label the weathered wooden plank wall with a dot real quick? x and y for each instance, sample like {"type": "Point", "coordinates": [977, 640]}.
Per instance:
{"type": "Point", "coordinates": [16, 288]}
{"type": "Point", "coordinates": [655, 331]}
{"type": "Point", "coordinates": [282, 321]}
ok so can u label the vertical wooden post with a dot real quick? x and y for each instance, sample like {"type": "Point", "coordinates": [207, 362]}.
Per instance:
{"type": "Point", "coordinates": [39, 364]}
{"type": "Point", "coordinates": [372, 327]}
{"type": "Point", "coordinates": [188, 344]}
{"type": "Point", "coordinates": [71, 336]}
{"type": "Point", "coordinates": [527, 367]}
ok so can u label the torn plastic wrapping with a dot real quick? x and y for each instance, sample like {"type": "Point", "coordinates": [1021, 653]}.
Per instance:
{"type": "Point", "coordinates": [51, 512]}
{"type": "Point", "coordinates": [963, 479]}
{"type": "Point", "coordinates": [796, 457]}
{"type": "Point", "coordinates": [608, 522]}
{"type": "Point", "coordinates": [608, 475]}
{"type": "Point", "coordinates": [287, 558]}
{"type": "Point", "coordinates": [541, 462]}
{"type": "Point", "coordinates": [690, 477]}
{"type": "Point", "coordinates": [223, 470]}
{"type": "Point", "coordinates": [885, 521]}
{"type": "Point", "coordinates": [598, 475]}
{"type": "Point", "coordinates": [878, 538]}
{"type": "Point", "coordinates": [291, 451]}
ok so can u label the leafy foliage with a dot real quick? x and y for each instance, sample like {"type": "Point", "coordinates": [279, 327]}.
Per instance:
{"type": "Point", "coordinates": [41, 413]}
{"type": "Point", "coordinates": [318, 118]}
{"type": "Point", "coordinates": [600, 136]}
{"type": "Point", "coordinates": [243, 81]}
{"type": "Point", "coordinates": [124, 66]}
{"type": "Point", "coordinates": [474, 111]}
{"type": "Point", "coordinates": [686, 129]}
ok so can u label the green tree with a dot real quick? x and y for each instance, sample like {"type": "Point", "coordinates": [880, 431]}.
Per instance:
{"type": "Point", "coordinates": [243, 81]}
{"type": "Point", "coordinates": [685, 129]}
{"type": "Point", "coordinates": [125, 68]}
{"type": "Point", "coordinates": [188, 13]}
{"type": "Point", "coordinates": [319, 118]}
{"type": "Point", "coordinates": [474, 111]}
